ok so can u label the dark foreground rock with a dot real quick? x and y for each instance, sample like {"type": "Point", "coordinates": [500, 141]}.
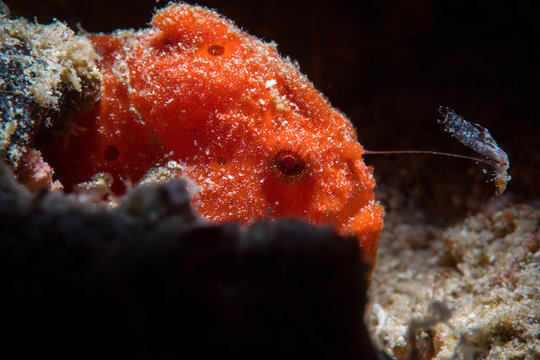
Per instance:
{"type": "Point", "coordinates": [150, 280]}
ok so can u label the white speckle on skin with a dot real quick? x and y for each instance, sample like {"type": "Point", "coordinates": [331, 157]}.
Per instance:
{"type": "Point", "coordinates": [270, 83]}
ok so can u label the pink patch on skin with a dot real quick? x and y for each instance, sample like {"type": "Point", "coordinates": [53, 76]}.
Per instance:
{"type": "Point", "coordinates": [34, 173]}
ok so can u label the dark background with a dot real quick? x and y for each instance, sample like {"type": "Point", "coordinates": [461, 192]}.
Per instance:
{"type": "Point", "coordinates": [388, 65]}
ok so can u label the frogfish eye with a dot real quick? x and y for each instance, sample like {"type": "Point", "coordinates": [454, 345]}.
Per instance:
{"type": "Point", "coordinates": [289, 163]}
{"type": "Point", "coordinates": [216, 50]}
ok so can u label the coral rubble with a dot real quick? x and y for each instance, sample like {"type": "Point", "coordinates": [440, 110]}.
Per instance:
{"type": "Point", "coordinates": [46, 73]}
{"type": "Point", "coordinates": [486, 270]}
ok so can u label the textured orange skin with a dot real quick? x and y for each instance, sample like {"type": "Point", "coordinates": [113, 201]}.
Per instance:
{"type": "Point", "coordinates": [168, 95]}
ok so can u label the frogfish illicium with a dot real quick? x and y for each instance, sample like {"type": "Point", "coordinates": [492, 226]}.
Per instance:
{"type": "Point", "coordinates": [254, 135]}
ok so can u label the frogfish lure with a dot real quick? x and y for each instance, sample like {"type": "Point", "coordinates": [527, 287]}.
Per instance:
{"type": "Point", "coordinates": [195, 96]}
{"type": "Point", "coordinates": [479, 139]}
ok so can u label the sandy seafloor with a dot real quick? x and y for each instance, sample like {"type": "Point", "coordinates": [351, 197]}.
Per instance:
{"type": "Point", "coordinates": [471, 289]}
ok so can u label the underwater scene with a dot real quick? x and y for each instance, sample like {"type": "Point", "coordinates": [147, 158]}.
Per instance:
{"type": "Point", "coordinates": [302, 179]}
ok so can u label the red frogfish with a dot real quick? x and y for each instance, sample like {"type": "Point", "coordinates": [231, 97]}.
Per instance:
{"type": "Point", "coordinates": [242, 122]}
